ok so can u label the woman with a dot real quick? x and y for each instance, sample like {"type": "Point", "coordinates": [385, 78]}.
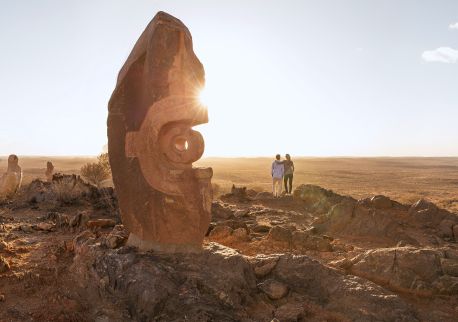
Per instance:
{"type": "Point", "coordinates": [288, 175]}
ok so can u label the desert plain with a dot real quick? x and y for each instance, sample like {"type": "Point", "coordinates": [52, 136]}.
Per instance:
{"type": "Point", "coordinates": [405, 179]}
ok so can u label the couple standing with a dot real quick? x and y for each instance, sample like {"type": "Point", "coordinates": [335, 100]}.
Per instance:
{"type": "Point", "coordinates": [282, 170]}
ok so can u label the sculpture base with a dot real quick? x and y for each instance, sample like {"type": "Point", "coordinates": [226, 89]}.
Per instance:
{"type": "Point", "coordinates": [145, 245]}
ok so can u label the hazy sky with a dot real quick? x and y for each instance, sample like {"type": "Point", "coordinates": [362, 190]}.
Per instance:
{"type": "Point", "coordinates": [300, 77]}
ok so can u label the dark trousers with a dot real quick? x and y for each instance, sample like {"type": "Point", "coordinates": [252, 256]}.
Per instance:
{"type": "Point", "coordinates": [288, 178]}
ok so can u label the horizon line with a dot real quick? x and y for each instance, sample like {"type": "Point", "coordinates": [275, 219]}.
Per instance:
{"type": "Point", "coordinates": [247, 157]}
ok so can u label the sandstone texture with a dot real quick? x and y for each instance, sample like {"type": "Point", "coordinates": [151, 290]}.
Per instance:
{"type": "Point", "coordinates": [164, 201]}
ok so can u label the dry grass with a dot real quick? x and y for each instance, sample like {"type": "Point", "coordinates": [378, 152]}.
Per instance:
{"type": "Point", "coordinates": [402, 179]}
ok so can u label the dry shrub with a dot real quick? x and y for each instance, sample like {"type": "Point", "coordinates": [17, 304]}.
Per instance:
{"type": "Point", "coordinates": [65, 190]}
{"type": "Point", "coordinates": [104, 161]}
{"type": "Point", "coordinates": [95, 173]}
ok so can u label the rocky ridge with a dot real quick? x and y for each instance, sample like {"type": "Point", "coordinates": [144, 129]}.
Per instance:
{"type": "Point", "coordinates": [313, 256]}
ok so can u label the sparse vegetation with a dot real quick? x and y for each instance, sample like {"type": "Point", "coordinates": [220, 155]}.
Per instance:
{"type": "Point", "coordinates": [104, 161]}
{"type": "Point", "coordinates": [97, 172]}
{"type": "Point", "coordinates": [402, 179]}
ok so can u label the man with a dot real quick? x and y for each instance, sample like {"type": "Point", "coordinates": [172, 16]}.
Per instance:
{"type": "Point", "coordinates": [277, 176]}
{"type": "Point", "coordinates": [288, 176]}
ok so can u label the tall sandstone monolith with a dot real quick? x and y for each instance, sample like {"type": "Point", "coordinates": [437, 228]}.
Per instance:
{"type": "Point", "coordinates": [165, 202]}
{"type": "Point", "coordinates": [49, 171]}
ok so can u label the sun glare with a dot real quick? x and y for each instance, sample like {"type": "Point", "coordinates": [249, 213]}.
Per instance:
{"type": "Point", "coordinates": [203, 96]}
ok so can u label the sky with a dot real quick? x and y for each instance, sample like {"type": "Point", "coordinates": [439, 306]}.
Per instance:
{"type": "Point", "coordinates": [308, 78]}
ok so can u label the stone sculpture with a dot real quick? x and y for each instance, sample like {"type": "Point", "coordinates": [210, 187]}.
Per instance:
{"type": "Point", "coordinates": [10, 181]}
{"type": "Point", "coordinates": [49, 171]}
{"type": "Point", "coordinates": [165, 202]}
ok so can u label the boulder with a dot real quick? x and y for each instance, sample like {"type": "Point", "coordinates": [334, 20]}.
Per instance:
{"type": "Point", "coordinates": [81, 219]}
{"type": "Point", "coordinates": [221, 231]}
{"type": "Point", "coordinates": [264, 264]}
{"type": "Point", "coordinates": [405, 269]}
{"type": "Point", "coordinates": [221, 211]}
{"type": "Point", "coordinates": [240, 234]}
{"type": "Point", "coordinates": [117, 237]}
{"type": "Point", "coordinates": [317, 199]}
{"type": "Point", "coordinates": [339, 293]}
{"type": "Point", "coordinates": [381, 202]}
{"type": "Point", "coordinates": [426, 212]}
{"type": "Point", "coordinates": [44, 226]}
{"type": "Point", "coordinates": [273, 289]}
{"type": "Point", "coordinates": [281, 234]}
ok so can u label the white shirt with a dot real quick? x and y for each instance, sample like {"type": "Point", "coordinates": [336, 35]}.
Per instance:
{"type": "Point", "coordinates": [277, 169]}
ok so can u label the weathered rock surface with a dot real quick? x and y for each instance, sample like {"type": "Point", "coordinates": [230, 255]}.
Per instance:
{"type": "Point", "coordinates": [165, 202]}
{"type": "Point", "coordinates": [117, 237]}
{"type": "Point", "coordinates": [221, 211]}
{"type": "Point", "coordinates": [317, 199]}
{"type": "Point", "coordinates": [377, 217]}
{"type": "Point", "coordinates": [4, 265]}
{"type": "Point", "coordinates": [406, 269]}
{"type": "Point", "coordinates": [273, 289]}
{"type": "Point", "coordinates": [220, 284]}
{"type": "Point", "coordinates": [221, 231]}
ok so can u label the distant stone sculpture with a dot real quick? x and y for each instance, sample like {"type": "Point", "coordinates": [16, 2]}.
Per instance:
{"type": "Point", "coordinates": [165, 202]}
{"type": "Point", "coordinates": [10, 181]}
{"type": "Point", "coordinates": [49, 171]}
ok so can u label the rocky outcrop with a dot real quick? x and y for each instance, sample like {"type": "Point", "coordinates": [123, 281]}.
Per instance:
{"type": "Point", "coordinates": [67, 190]}
{"type": "Point", "coordinates": [317, 199]}
{"type": "Point", "coordinates": [422, 272]}
{"type": "Point", "coordinates": [219, 284]}
{"type": "Point", "coordinates": [377, 217]}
